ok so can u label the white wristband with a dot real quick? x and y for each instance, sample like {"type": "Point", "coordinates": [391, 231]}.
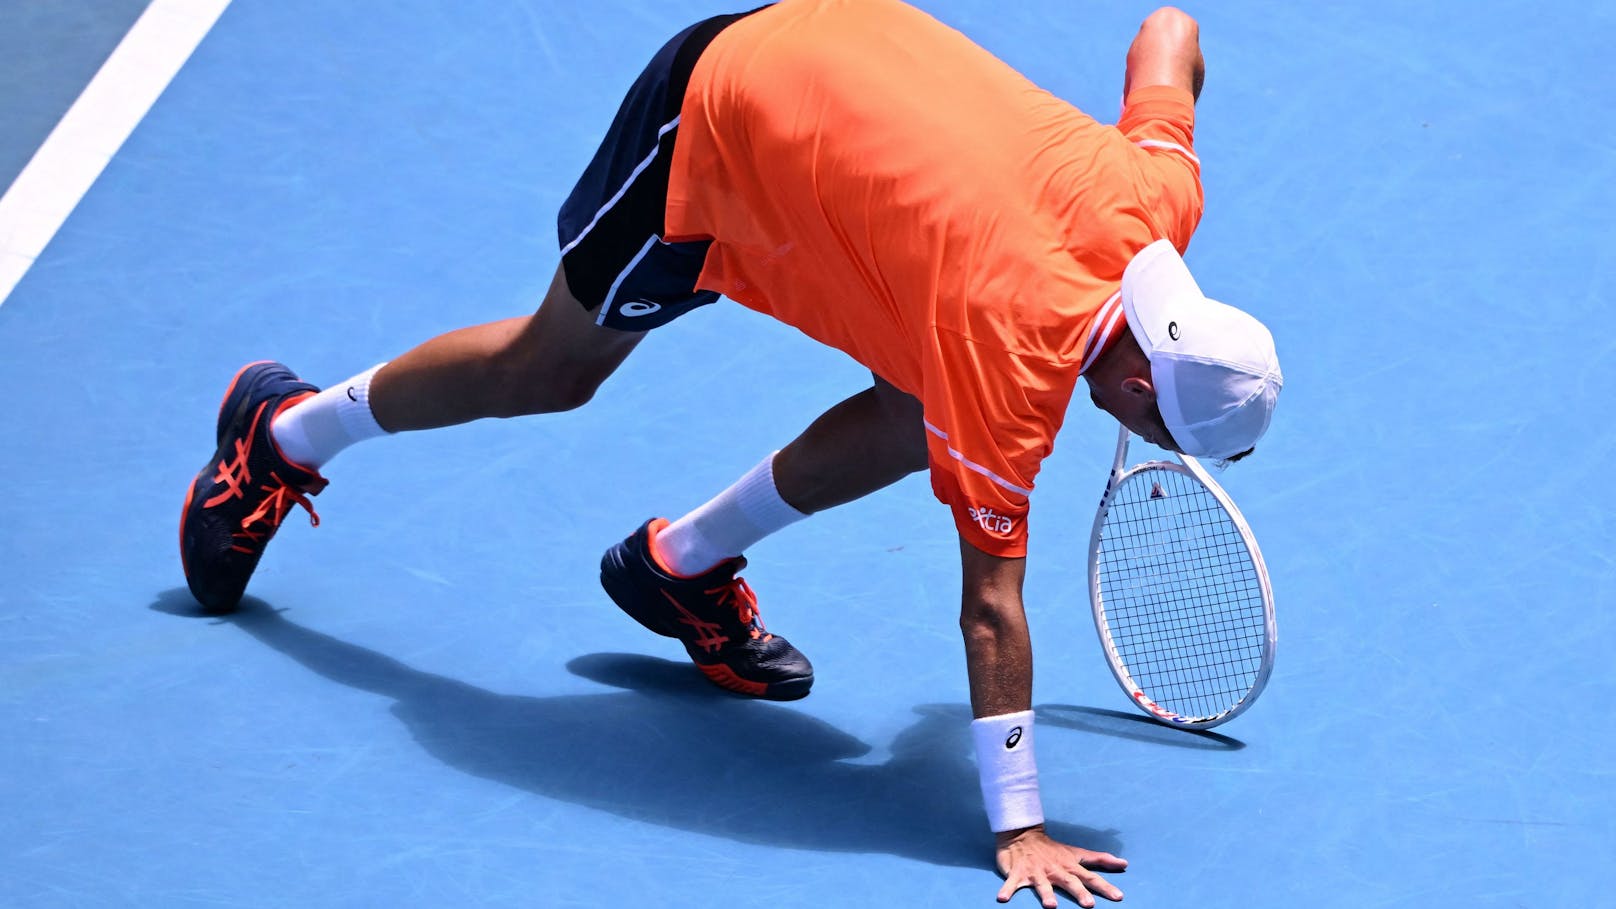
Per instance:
{"type": "Point", "coordinates": [1004, 759]}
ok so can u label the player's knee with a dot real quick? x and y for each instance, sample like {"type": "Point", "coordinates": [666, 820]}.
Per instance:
{"type": "Point", "coordinates": [522, 387]}
{"type": "Point", "coordinates": [570, 393]}
{"type": "Point", "coordinates": [553, 394]}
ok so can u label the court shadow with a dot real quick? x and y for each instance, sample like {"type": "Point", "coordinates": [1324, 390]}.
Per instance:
{"type": "Point", "coordinates": [670, 749]}
{"type": "Point", "coordinates": [1132, 726]}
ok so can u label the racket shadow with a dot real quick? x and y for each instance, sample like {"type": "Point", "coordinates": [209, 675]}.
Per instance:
{"type": "Point", "coordinates": [1132, 726]}
{"type": "Point", "coordinates": [667, 748]}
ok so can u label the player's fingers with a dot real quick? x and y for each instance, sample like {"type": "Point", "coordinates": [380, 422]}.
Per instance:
{"type": "Point", "coordinates": [1104, 861]}
{"type": "Point", "coordinates": [1096, 884]}
{"type": "Point", "coordinates": [1075, 887]}
{"type": "Point", "coordinates": [1012, 883]}
{"type": "Point", "coordinates": [1072, 884]}
{"type": "Point", "coordinates": [1046, 893]}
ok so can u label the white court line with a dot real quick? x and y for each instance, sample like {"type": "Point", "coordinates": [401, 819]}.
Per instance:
{"type": "Point", "coordinates": [95, 127]}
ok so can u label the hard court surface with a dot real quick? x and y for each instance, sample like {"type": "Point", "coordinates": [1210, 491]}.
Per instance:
{"type": "Point", "coordinates": [427, 701]}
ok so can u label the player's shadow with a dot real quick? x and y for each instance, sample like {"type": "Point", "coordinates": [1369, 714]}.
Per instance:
{"type": "Point", "coordinates": [670, 749]}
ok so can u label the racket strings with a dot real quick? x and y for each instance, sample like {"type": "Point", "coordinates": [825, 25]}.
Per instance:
{"type": "Point", "coordinates": [1182, 598]}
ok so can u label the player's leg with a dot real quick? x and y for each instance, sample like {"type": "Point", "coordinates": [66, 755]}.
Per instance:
{"type": "Point", "coordinates": [682, 579]}
{"type": "Point", "coordinates": [276, 431]}
{"type": "Point", "coordinates": [617, 278]}
{"type": "Point", "coordinates": [552, 360]}
{"type": "Point", "coordinates": [865, 443]}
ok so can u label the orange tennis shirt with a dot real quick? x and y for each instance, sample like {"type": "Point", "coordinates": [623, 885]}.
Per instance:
{"type": "Point", "coordinates": [873, 178]}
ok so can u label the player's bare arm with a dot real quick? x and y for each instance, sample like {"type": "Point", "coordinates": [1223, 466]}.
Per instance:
{"type": "Point", "coordinates": [1167, 51]}
{"type": "Point", "coordinates": [998, 655]}
{"type": "Point", "coordinates": [998, 646]}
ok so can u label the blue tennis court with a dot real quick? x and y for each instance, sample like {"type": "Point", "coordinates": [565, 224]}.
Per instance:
{"type": "Point", "coordinates": [428, 701]}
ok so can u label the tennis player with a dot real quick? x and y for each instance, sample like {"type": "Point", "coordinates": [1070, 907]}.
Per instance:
{"type": "Point", "coordinates": [860, 171]}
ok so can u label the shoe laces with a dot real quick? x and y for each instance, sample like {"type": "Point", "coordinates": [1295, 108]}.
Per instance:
{"type": "Point", "coordinates": [271, 512]}
{"type": "Point", "coordinates": [738, 595]}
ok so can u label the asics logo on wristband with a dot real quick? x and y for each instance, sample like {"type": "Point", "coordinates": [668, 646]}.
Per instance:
{"type": "Point", "coordinates": [1014, 738]}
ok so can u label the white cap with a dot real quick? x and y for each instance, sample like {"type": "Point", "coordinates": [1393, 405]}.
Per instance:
{"type": "Point", "coordinates": [1216, 374]}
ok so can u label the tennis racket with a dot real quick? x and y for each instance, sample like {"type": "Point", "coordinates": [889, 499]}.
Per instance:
{"type": "Point", "coordinates": [1181, 596]}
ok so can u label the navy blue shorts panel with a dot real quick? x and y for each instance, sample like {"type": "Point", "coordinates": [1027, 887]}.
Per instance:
{"type": "Point", "coordinates": [611, 226]}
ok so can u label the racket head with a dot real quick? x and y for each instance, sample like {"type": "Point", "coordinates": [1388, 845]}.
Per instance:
{"type": "Point", "coordinates": [1180, 594]}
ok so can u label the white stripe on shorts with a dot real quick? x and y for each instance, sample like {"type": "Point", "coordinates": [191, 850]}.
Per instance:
{"type": "Point", "coordinates": [606, 304]}
{"type": "Point", "coordinates": [623, 190]}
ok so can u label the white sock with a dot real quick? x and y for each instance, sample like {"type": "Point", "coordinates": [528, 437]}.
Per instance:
{"type": "Point", "coordinates": [724, 527]}
{"type": "Point", "coordinates": [311, 432]}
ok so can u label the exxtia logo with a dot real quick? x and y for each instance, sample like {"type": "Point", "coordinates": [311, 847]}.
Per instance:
{"type": "Point", "coordinates": [991, 520]}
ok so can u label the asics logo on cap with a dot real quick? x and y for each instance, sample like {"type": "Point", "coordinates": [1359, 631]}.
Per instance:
{"type": "Point", "coordinates": [1172, 330]}
{"type": "Point", "coordinates": [639, 308]}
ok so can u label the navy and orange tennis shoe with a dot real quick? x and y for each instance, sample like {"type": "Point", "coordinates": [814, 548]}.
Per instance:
{"type": "Point", "coordinates": [713, 614]}
{"type": "Point", "coordinates": [238, 501]}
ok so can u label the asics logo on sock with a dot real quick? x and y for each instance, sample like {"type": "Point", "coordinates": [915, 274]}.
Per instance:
{"type": "Point", "coordinates": [992, 521]}
{"type": "Point", "coordinates": [351, 395]}
{"type": "Point", "coordinates": [639, 308]}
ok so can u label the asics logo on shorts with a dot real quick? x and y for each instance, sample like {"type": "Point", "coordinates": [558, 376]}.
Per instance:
{"type": "Point", "coordinates": [639, 308]}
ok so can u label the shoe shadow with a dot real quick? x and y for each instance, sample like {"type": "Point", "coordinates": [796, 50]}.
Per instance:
{"type": "Point", "coordinates": [672, 750]}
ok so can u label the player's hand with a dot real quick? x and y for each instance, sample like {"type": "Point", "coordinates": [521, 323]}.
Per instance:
{"type": "Point", "coordinates": [1029, 858]}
